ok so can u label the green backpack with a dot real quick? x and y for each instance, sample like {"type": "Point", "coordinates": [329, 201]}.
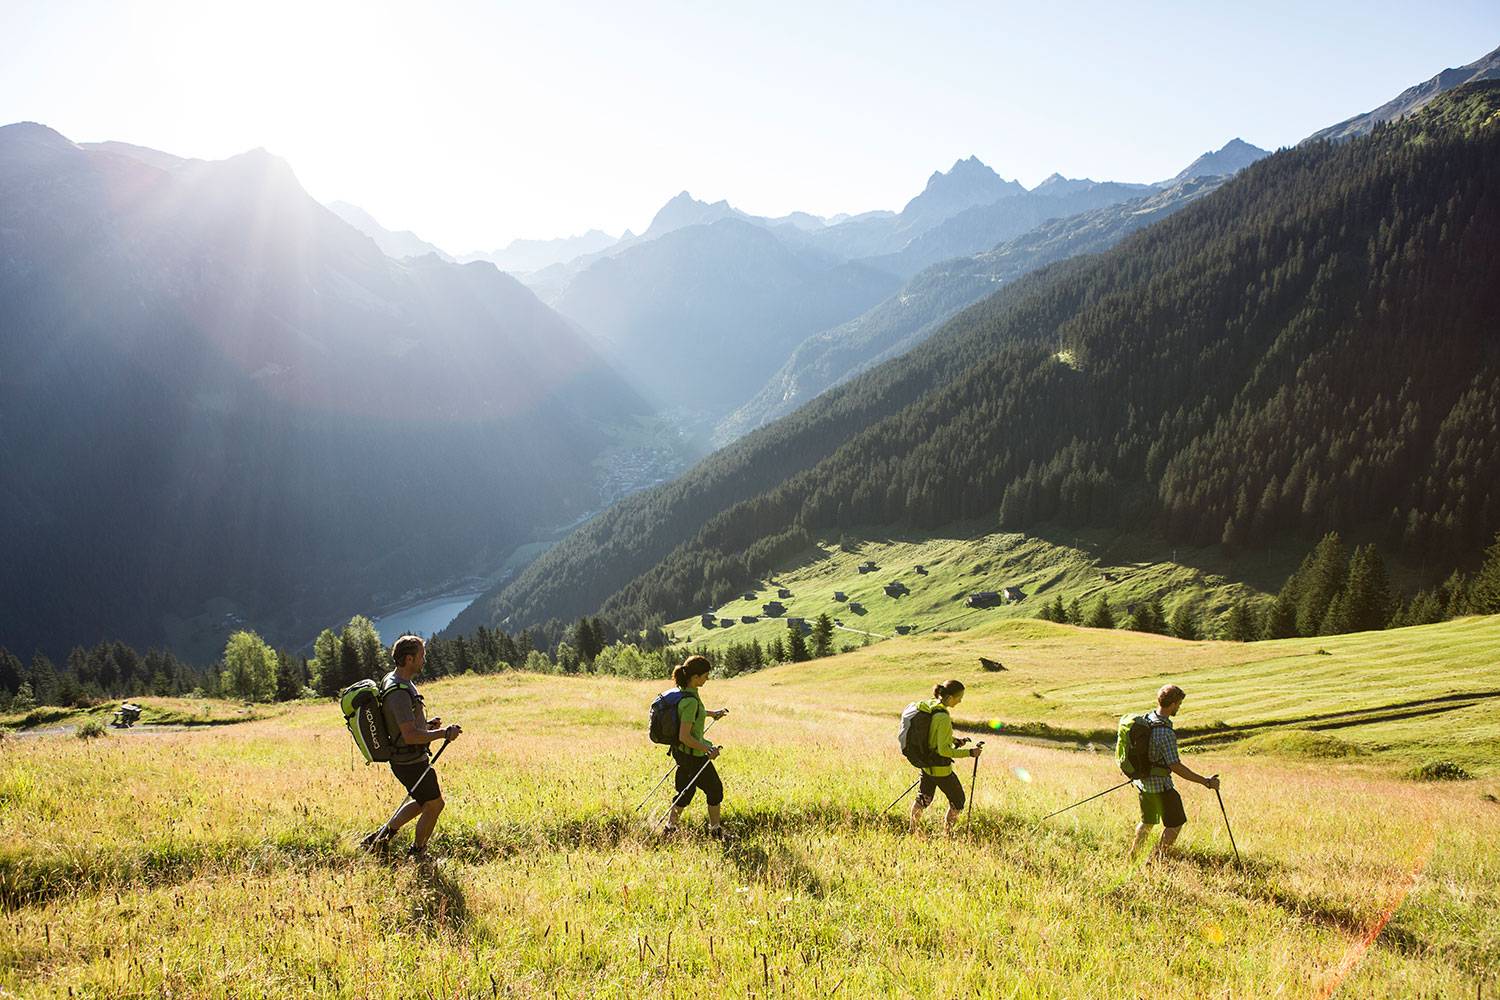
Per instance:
{"type": "Point", "coordinates": [365, 717]}
{"type": "Point", "coordinates": [1133, 747]}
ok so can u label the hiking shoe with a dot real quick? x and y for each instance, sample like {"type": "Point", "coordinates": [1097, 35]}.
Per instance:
{"type": "Point", "coordinates": [376, 843]}
{"type": "Point", "coordinates": [669, 829]}
{"type": "Point", "coordinates": [717, 832]}
{"type": "Point", "coordinates": [415, 853]}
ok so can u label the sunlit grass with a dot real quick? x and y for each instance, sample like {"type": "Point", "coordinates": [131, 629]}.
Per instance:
{"type": "Point", "coordinates": [220, 862]}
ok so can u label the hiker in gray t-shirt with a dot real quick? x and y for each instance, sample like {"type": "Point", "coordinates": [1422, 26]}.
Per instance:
{"type": "Point", "coordinates": [411, 732]}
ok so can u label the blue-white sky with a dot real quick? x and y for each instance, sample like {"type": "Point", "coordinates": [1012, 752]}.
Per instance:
{"type": "Point", "coordinates": [475, 122]}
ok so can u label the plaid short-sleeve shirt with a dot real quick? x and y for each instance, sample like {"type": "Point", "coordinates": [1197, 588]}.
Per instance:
{"type": "Point", "coordinates": [1163, 753]}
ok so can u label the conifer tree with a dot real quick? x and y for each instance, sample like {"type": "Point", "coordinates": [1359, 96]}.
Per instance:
{"type": "Point", "coordinates": [822, 636]}
{"type": "Point", "coordinates": [290, 677]}
{"type": "Point", "coordinates": [1320, 579]}
{"type": "Point", "coordinates": [328, 657]}
{"type": "Point", "coordinates": [1367, 595]}
{"type": "Point", "coordinates": [1185, 622]}
{"type": "Point", "coordinates": [11, 671]}
{"type": "Point", "coordinates": [1336, 620]}
{"type": "Point", "coordinates": [1484, 592]}
{"type": "Point", "coordinates": [1147, 617]}
{"type": "Point", "coordinates": [1075, 613]}
{"type": "Point", "coordinates": [1281, 618]}
{"type": "Point", "coordinates": [1243, 626]}
{"type": "Point", "coordinates": [350, 668]}
{"type": "Point", "coordinates": [1455, 593]}
{"type": "Point", "coordinates": [1101, 616]}
{"type": "Point", "coordinates": [796, 644]}
{"type": "Point", "coordinates": [776, 650]}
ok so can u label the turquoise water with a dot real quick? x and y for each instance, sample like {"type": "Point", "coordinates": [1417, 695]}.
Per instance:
{"type": "Point", "coordinates": [424, 619]}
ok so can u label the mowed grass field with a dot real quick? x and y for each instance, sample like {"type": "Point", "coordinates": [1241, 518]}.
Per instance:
{"type": "Point", "coordinates": [220, 862]}
{"type": "Point", "coordinates": [1075, 565]}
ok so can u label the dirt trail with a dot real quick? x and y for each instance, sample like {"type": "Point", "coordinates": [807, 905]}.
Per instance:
{"type": "Point", "coordinates": [139, 729]}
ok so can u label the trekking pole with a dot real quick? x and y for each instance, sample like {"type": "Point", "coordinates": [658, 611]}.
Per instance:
{"type": "Point", "coordinates": [1228, 830]}
{"type": "Point", "coordinates": [1077, 804]}
{"type": "Point", "coordinates": [651, 820]}
{"type": "Point", "coordinates": [973, 780]}
{"type": "Point", "coordinates": [901, 796]}
{"type": "Point", "coordinates": [669, 772]}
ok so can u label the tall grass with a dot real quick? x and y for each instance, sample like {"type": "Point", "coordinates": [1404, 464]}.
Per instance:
{"type": "Point", "coordinates": [220, 863]}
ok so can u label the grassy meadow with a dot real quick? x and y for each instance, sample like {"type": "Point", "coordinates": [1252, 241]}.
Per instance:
{"type": "Point", "coordinates": [219, 861]}
{"type": "Point", "coordinates": [1074, 564]}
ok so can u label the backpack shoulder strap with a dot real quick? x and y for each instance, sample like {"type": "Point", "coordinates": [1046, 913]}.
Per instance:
{"type": "Point", "coordinates": [396, 683]}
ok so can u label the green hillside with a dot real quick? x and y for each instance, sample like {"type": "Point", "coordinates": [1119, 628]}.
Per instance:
{"type": "Point", "coordinates": [1075, 565]}
{"type": "Point", "coordinates": [1399, 697]}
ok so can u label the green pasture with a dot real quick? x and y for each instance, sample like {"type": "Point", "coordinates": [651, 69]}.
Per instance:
{"type": "Point", "coordinates": [220, 861]}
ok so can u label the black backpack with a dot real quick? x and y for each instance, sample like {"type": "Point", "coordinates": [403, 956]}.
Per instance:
{"type": "Point", "coordinates": [666, 723]}
{"type": "Point", "coordinates": [916, 732]}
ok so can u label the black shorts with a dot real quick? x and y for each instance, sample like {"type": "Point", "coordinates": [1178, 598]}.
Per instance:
{"type": "Point", "coordinates": [410, 775]}
{"type": "Point", "coordinates": [1162, 807]}
{"type": "Point", "coordinates": [689, 766]}
{"type": "Point", "coordinates": [951, 784]}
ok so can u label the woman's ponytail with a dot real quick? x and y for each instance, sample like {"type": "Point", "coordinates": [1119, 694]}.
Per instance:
{"type": "Point", "coordinates": [690, 668]}
{"type": "Point", "coordinates": [948, 688]}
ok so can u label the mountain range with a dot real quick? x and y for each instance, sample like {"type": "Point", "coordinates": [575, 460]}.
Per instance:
{"type": "Point", "coordinates": [219, 401]}
{"type": "Point", "coordinates": [1286, 355]}
{"type": "Point", "coordinates": [899, 323]}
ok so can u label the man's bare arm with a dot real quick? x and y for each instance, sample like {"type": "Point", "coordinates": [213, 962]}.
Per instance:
{"type": "Point", "coordinates": [1183, 771]}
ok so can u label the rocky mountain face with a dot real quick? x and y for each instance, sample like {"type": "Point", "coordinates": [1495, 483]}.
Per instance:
{"type": "Point", "coordinates": [1231, 158]}
{"type": "Point", "coordinates": [1413, 98]}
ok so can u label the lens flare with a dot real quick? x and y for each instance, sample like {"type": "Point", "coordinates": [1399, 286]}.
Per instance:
{"type": "Point", "coordinates": [1213, 933]}
{"type": "Point", "coordinates": [1022, 774]}
{"type": "Point", "coordinates": [996, 724]}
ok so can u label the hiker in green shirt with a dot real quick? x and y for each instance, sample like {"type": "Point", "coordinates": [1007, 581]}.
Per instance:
{"type": "Point", "coordinates": [940, 741]}
{"type": "Point", "coordinates": [693, 753]}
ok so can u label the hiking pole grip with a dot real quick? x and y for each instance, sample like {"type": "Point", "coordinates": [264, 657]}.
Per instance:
{"type": "Point", "coordinates": [1228, 829]}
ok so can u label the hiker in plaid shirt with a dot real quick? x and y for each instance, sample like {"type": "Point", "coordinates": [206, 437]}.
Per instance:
{"type": "Point", "coordinates": [1160, 802]}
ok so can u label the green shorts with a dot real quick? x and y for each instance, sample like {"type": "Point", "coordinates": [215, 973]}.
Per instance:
{"type": "Point", "coordinates": [1162, 807]}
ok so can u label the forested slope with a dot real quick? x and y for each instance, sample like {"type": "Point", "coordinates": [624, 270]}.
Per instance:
{"type": "Point", "coordinates": [1311, 347]}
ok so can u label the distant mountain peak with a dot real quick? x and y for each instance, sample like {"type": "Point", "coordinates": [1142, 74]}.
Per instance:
{"type": "Point", "coordinates": [1056, 185]}
{"type": "Point", "coordinates": [1234, 156]}
{"type": "Point", "coordinates": [969, 170]}
{"type": "Point", "coordinates": [683, 210]}
{"type": "Point", "coordinates": [967, 183]}
{"type": "Point", "coordinates": [34, 142]}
